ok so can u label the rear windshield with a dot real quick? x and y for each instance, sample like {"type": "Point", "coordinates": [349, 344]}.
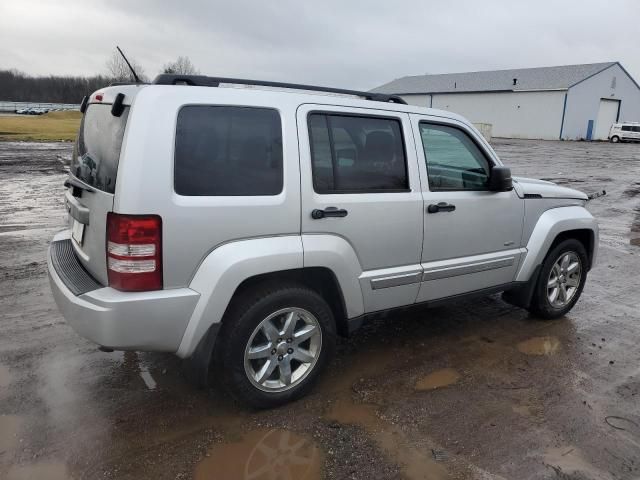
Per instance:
{"type": "Point", "coordinates": [95, 158]}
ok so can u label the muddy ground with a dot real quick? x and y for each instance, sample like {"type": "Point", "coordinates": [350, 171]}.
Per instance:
{"type": "Point", "coordinates": [476, 390]}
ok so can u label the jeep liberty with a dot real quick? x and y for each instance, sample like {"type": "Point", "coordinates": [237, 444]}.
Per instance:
{"type": "Point", "coordinates": [243, 229]}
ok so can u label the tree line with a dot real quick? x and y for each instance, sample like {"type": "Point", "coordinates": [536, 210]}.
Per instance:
{"type": "Point", "coordinates": [17, 86]}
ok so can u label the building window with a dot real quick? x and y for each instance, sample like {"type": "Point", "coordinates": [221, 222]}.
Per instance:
{"type": "Point", "coordinates": [613, 82]}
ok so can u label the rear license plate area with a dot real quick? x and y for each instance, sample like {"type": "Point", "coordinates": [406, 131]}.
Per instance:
{"type": "Point", "coordinates": [77, 232]}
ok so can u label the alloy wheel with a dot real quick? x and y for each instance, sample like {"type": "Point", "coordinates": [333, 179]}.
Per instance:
{"type": "Point", "coordinates": [283, 349]}
{"type": "Point", "coordinates": [564, 279]}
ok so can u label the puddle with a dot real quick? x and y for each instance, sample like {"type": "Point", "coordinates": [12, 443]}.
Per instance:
{"type": "Point", "coordinates": [361, 365]}
{"type": "Point", "coordinates": [263, 455]}
{"type": "Point", "coordinates": [539, 346]}
{"type": "Point", "coordinates": [9, 429]}
{"type": "Point", "coordinates": [570, 460]}
{"type": "Point", "coordinates": [524, 410]}
{"type": "Point", "coordinates": [347, 412]}
{"type": "Point", "coordinates": [415, 464]}
{"type": "Point", "coordinates": [438, 379]}
{"type": "Point", "coordinates": [5, 376]}
{"type": "Point", "coordinates": [533, 413]}
{"type": "Point", "coordinates": [37, 471]}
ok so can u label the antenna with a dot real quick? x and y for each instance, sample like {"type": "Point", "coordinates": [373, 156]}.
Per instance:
{"type": "Point", "coordinates": [135, 75]}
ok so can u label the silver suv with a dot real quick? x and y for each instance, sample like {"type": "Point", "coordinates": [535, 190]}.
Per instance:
{"type": "Point", "coordinates": [244, 228]}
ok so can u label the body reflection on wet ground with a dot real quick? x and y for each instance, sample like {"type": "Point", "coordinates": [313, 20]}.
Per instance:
{"type": "Point", "coordinates": [263, 455]}
{"type": "Point", "coordinates": [539, 346]}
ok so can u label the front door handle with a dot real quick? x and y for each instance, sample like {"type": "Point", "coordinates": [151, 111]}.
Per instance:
{"type": "Point", "coordinates": [317, 214]}
{"type": "Point", "coordinates": [440, 207]}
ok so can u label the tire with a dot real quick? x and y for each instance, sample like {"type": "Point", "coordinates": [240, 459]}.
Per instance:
{"type": "Point", "coordinates": [615, 139]}
{"type": "Point", "coordinates": [541, 303]}
{"type": "Point", "coordinates": [244, 331]}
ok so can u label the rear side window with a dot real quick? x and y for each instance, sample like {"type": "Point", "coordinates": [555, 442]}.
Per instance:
{"type": "Point", "coordinates": [626, 128]}
{"type": "Point", "coordinates": [95, 158]}
{"type": "Point", "coordinates": [228, 151]}
{"type": "Point", "coordinates": [355, 154]}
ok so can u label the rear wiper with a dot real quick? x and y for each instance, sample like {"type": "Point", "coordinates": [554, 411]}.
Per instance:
{"type": "Point", "coordinates": [74, 182]}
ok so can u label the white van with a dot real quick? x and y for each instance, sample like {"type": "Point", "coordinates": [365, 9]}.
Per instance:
{"type": "Point", "coordinates": [627, 132]}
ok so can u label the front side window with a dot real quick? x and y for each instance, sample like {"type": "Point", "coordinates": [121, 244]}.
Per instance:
{"type": "Point", "coordinates": [355, 154]}
{"type": "Point", "coordinates": [636, 129]}
{"type": "Point", "coordinates": [454, 161]}
{"type": "Point", "coordinates": [235, 151]}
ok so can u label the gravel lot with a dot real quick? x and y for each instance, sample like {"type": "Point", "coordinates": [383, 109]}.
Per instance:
{"type": "Point", "coordinates": [477, 390]}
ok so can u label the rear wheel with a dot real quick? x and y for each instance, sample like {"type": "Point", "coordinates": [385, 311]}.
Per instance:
{"type": "Point", "coordinates": [615, 139]}
{"type": "Point", "coordinates": [274, 343]}
{"type": "Point", "coordinates": [561, 280]}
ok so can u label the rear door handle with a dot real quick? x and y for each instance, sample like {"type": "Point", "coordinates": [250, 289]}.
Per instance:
{"type": "Point", "coordinates": [440, 207]}
{"type": "Point", "coordinates": [317, 214]}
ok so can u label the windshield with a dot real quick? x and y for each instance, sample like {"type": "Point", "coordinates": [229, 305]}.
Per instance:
{"type": "Point", "coordinates": [95, 158]}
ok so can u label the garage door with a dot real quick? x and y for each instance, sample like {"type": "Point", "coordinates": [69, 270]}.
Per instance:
{"type": "Point", "coordinates": [607, 116]}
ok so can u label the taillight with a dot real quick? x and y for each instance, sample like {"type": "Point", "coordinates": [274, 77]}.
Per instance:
{"type": "Point", "coordinates": [134, 252]}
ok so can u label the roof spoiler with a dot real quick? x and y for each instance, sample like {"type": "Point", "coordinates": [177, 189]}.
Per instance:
{"type": "Point", "coordinates": [206, 81]}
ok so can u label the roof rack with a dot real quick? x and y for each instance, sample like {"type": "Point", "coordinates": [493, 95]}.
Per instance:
{"type": "Point", "coordinates": [205, 81]}
{"type": "Point", "coordinates": [119, 84]}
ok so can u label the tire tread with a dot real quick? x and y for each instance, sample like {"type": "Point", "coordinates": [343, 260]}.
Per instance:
{"type": "Point", "coordinates": [239, 322]}
{"type": "Point", "coordinates": [539, 303]}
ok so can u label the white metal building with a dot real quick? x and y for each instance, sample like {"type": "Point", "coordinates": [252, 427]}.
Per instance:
{"type": "Point", "coordinates": [568, 102]}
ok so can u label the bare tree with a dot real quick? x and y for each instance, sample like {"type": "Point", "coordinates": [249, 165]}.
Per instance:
{"type": "Point", "coordinates": [181, 66]}
{"type": "Point", "coordinates": [118, 70]}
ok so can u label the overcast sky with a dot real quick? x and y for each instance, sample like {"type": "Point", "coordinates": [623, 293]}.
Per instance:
{"type": "Point", "coordinates": [343, 43]}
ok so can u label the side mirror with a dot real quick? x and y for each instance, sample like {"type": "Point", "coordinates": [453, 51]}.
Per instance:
{"type": "Point", "coordinates": [500, 179]}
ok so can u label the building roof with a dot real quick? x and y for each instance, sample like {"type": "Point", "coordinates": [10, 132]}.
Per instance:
{"type": "Point", "coordinates": [542, 78]}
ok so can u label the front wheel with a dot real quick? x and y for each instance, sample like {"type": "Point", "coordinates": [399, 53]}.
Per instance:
{"type": "Point", "coordinates": [615, 139]}
{"type": "Point", "coordinates": [274, 343]}
{"type": "Point", "coordinates": [562, 278]}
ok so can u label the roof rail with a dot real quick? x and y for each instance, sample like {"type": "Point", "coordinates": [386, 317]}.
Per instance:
{"type": "Point", "coordinates": [120, 84]}
{"type": "Point", "coordinates": [205, 81]}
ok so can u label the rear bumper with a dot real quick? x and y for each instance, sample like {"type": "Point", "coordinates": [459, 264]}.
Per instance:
{"type": "Point", "coordinates": [147, 321]}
